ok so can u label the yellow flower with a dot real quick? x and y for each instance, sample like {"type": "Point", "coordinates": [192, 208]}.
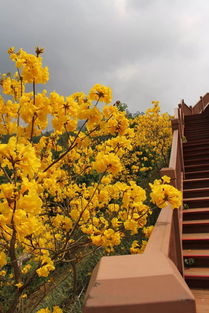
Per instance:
{"type": "Point", "coordinates": [3, 273]}
{"type": "Point", "coordinates": [147, 231]}
{"type": "Point", "coordinates": [22, 155]}
{"type": "Point", "coordinates": [115, 223]}
{"type": "Point", "coordinates": [45, 270]}
{"type": "Point", "coordinates": [31, 66]}
{"type": "Point", "coordinates": [155, 102]}
{"type": "Point", "coordinates": [164, 194]}
{"type": "Point", "coordinates": [57, 309]}
{"type": "Point", "coordinates": [46, 310]}
{"type": "Point", "coordinates": [19, 285]}
{"type": "Point", "coordinates": [26, 269]}
{"type": "Point", "coordinates": [135, 247]}
{"type": "Point", "coordinates": [101, 93]}
{"type": "Point", "coordinates": [166, 179]}
{"type": "Point", "coordinates": [96, 240]}
{"type": "Point", "coordinates": [3, 259]}
{"type": "Point", "coordinates": [107, 162]}
{"type": "Point", "coordinates": [132, 225]}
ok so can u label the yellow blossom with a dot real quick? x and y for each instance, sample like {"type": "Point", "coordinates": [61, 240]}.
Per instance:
{"type": "Point", "coordinates": [26, 269]}
{"type": "Point", "coordinates": [57, 309]}
{"type": "Point", "coordinates": [107, 162]}
{"type": "Point", "coordinates": [164, 194]}
{"type": "Point", "coordinates": [46, 310]}
{"type": "Point", "coordinates": [101, 93]}
{"type": "Point", "coordinates": [19, 285]}
{"type": "Point", "coordinates": [3, 259]}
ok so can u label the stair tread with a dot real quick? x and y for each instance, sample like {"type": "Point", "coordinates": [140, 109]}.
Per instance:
{"type": "Point", "coordinates": [196, 199]}
{"type": "Point", "coordinates": [197, 271]}
{"type": "Point", "coordinates": [198, 158]}
{"type": "Point", "coordinates": [194, 159]}
{"type": "Point", "coordinates": [195, 253]}
{"type": "Point", "coordinates": [204, 221]}
{"type": "Point", "coordinates": [199, 130]}
{"type": "Point", "coordinates": [202, 157]}
{"type": "Point", "coordinates": [195, 143]}
{"type": "Point", "coordinates": [198, 172]}
{"type": "Point", "coordinates": [196, 152]}
{"type": "Point", "coordinates": [195, 236]}
{"type": "Point", "coordinates": [201, 148]}
{"type": "Point", "coordinates": [195, 210]}
{"type": "Point", "coordinates": [195, 179]}
{"type": "Point", "coordinates": [197, 189]}
{"type": "Point", "coordinates": [196, 165]}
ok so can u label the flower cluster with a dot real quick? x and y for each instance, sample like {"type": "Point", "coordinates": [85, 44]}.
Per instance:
{"type": "Point", "coordinates": [163, 194]}
{"type": "Point", "coordinates": [151, 144]}
{"type": "Point", "coordinates": [56, 309]}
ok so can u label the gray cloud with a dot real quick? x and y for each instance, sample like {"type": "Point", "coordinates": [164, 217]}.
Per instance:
{"type": "Point", "coordinates": [144, 50]}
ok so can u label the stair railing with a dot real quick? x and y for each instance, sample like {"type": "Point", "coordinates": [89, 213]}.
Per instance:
{"type": "Point", "coordinates": [201, 104]}
{"type": "Point", "coordinates": [176, 172]}
{"type": "Point", "coordinates": [153, 281]}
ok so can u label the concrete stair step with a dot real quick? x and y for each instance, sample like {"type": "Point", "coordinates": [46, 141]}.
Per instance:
{"type": "Point", "coordinates": [196, 222]}
{"type": "Point", "coordinates": [193, 130]}
{"type": "Point", "coordinates": [196, 167]}
{"type": "Point", "coordinates": [196, 183]}
{"type": "Point", "coordinates": [197, 174]}
{"type": "Point", "coordinates": [196, 192]}
{"type": "Point", "coordinates": [195, 214]}
{"type": "Point", "coordinates": [193, 150]}
{"type": "Point", "coordinates": [195, 241]}
{"type": "Point", "coordinates": [196, 144]}
{"type": "Point", "coordinates": [196, 253]}
{"type": "Point", "coordinates": [197, 277]}
{"type": "Point", "coordinates": [194, 160]}
{"type": "Point", "coordinates": [188, 155]}
{"type": "Point", "coordinates": [200, 202]}
{"type": "Point", "coordinates": [199, 236]}
{"type": "Point", "coordinates": [196, 226]}
{"type": "Point", "coordinates": [197, 136]}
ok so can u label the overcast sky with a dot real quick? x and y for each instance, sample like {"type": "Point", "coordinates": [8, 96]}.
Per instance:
{"type": "Point", "coordinates": [143, 49]}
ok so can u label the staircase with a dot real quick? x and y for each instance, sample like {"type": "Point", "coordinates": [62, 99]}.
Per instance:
{"type": "Point", "coordinates": [196, 201]}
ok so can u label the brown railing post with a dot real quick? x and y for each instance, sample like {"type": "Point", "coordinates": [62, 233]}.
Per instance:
{"type": "Point", "coordinates": [202, 103]}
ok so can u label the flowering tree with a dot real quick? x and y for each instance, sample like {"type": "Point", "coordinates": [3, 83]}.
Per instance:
{"type": "Point", "coordinates": [50, 212]}
{"type": "Point", "coordinates": [151, 144]}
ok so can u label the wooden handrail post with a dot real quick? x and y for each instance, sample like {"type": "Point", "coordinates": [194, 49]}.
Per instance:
{"type": "Point", "coordinates": [138, 284]}
{"type": "Point", "coordinates": [202, 103]}
{"type": "Point", "coordinates": [191, 109]}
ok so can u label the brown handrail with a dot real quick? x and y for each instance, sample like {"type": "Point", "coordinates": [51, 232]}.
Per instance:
{"type": "Point", "coordinates": [152, 282]}
{"type": "Point", "coordinates": [176, 172]}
